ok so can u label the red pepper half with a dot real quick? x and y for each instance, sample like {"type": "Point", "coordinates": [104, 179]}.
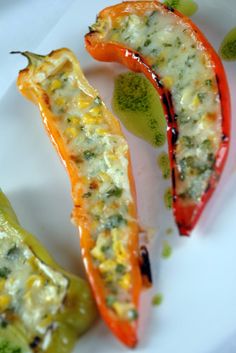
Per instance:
{"type": "Point", "coordinates": [107, 42]}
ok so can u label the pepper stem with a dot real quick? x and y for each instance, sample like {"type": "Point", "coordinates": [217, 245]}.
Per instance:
{"type": "Point", "coordinates": [34, 59]}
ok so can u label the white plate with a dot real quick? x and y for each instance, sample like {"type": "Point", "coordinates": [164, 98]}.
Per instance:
{"type": "Point", "coordinates": [198, 282]}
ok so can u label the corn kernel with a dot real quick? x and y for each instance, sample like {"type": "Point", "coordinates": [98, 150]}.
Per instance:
{"type": "Point", "coordinates": [89, 119]}
{"type": "Point", "coordinates": [101, 131]}
{"type": "Point", "coordinates": [71, 132]}
{"type": "Point", "coordinates": [35, 280]}
{"type": "Point", "coordinates": [74, 120]}
{"type": "Point", "coordinates": [195, 102]}
{"type": "Point", "coordinates": [46, 322]}
{"type": "Point", "coordinates": [122, 308]}
{"type": "Point", "coordinates": [98, 254]}
{"type": "Point", "coordinates": [55, 85]}
{"type": "Point", "coordinates": [125, 281]}
{"type": "Point", "coordinates": [60, 101]}
{"type": "Point", "coordinates": [104, 177]}
{"type": "Point", "coordinates": [118, 249]}
{"type": "Point", "coordinates": [4, 302]}
{"type": "Point", "coordinates": [2, 284]}
{"type": "Point", "coordinates": [167, 81]}
{"type": "Point", "coordinates": [83, 103]}
{"type": "Point", "coordinates": [95, 111]}
{"type": "Point", "coordinates": [107, 266]}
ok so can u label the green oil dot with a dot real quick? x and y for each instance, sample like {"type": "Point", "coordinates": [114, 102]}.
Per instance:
{"type": "Point", "coordinates": [228, 46]}
{"type": "Point", "coordinates": [137, 104]}
{"type": "Point", "coordinates": [186, 7]}
{"type": "Point", "coordinates": [169, 231]}
{"type": "Point", "coordinates": [164, 164]}
{"type": "Point", "coordinates": [157, 299]}
{"type": "Point", "coordinates": [166, 250]}
{"type": "Point", "coordinates": [168, 198]}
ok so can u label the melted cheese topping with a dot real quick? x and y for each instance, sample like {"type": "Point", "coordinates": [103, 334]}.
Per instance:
{"type": "Point", "coordinates": [185, 68]}
{"type": "Point", "coordinates": [30, 291]}
{"type": "Point", "coordinates": [100, 157]}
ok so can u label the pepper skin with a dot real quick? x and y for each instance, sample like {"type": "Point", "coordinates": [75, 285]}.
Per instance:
{"type": "Point", "coordinates": [99, 212]}
{"type": "Point", "coordinates": [102, 43]}
{"type": "Point", "coordinates": [76, 313]}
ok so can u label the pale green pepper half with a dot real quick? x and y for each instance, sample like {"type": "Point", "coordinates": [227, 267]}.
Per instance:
{"type": "Point", "coordinates": [42, 307]}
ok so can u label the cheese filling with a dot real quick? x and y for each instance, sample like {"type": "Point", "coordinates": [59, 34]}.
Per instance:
{"type": "Point", "coordinates": [30, 291]}
{"type": "Point", "coordinates": [179, 59]}
{"type": "Point", "coordinates": [100, 157]}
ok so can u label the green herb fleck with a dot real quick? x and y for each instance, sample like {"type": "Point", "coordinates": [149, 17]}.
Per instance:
{"type": "Point", "coordinates": [89, 155]}
{"type": "Point", "coordinates": [4, 272]}
{"type": "Point", "coordinates": [157, 299]}
{"type": "Point", "coordinates": [98, 100]}
{"type": "Point", "coordinates": [166, 250]}
{"type": "Point", "coordinates": [114, 221]}
{"type": "Point", "coordinates": [110, 300]}
{"type": "Point", "coordinates": [206, 144]}
{"type": "Point", "coordinates": [178, 42]}
{"type": "Point", "coordinates": [120, 268]}
{"type": "Point", "coordinates": [190, 60]}
{"type": "Point", "coordinates": [208, 83]}
{"type": "Point", "coordinates": [132, 314]}
{"type": "Point", "coordinates": [116, 192]}
{"type": "Point", "coordinates": [13, 252]}
{"type": "Point", "coordinates": [187, 141]}
{"type": "Point", "coordinates": [87, 195]}
{"type": "Point", "coordinates": [167, 45]}
{"type": "Point", "coordinates": [201, 96]}
{"type": "Point", "coordinates": [147, 42]}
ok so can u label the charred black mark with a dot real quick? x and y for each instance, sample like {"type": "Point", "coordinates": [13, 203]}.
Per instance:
{"type": "Point", "coordinates": [91, 30]}
{"type": "Point", "coordinates": [170, 8]}
{"type": "Point", "coordinates": [136, 56]}
{"type": "Point", "coordinates": [174, 136]}
{"type": "Point", "coordinates": [165, 101]}
{"type": "Point", "coordinates": [224, 138]}
{"type": "Point", "coordinates": [35, 342]}
{"type": "Point", "coordinates": [218, 84]}
{"type": "Point", "coordinates": [158, 82]}
{"type": "Point", "coordinates": [174, 198]}
{"type": "Point", "coordinates": [145, 266]}
{"type": "Point", "coordinates": [173, 179]}
{"type": "Point", "coordinates": [208, 187]}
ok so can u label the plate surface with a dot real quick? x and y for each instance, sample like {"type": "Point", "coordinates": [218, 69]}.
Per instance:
{"type": "Point", "coordinates": [198, 282]}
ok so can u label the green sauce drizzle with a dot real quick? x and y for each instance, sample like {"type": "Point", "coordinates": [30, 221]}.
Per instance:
{"type": "Point", "coordinates": [228, 46]}
{"type": "Point", "coordinates": [168, 198]}
{"type": "Point", "coordinates": [186, 7]}
{"type": "Point", "coordinates": [137, 104]}
{"type": "Point", "coordinates": [164, 164]}
{"type": "Point", "coordinates": [157, 299]}
{"type": "Point", "coordinates": [166, 250]}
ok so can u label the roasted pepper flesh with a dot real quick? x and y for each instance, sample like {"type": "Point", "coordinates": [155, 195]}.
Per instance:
{"type": "Point", "coordinates": [169, 49]}
{"type": "Point", "coordinates": [95, 153]}
{"type": "Point", "coordinates": [42, 307]}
